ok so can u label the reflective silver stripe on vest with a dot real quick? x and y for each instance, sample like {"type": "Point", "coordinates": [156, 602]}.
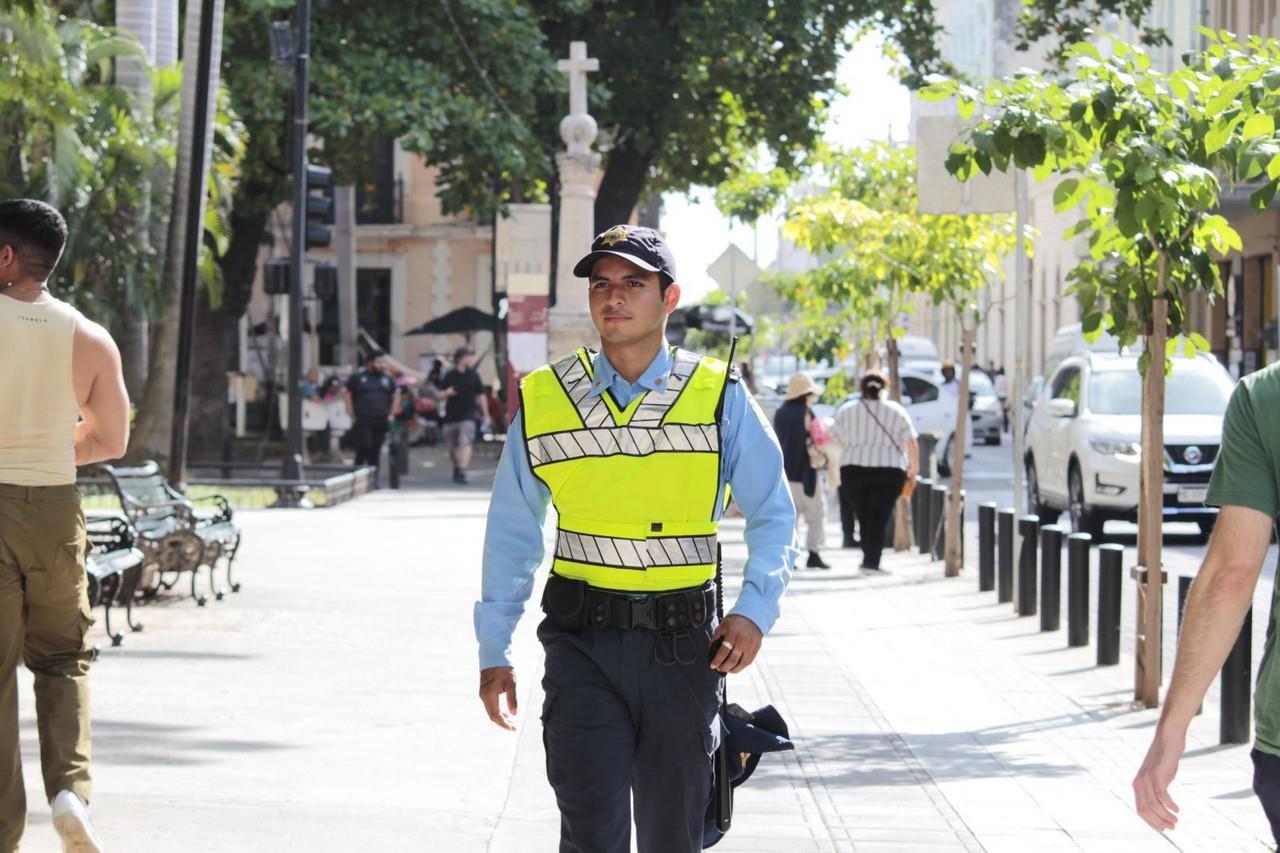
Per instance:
{"type": "Point", "coordinates": [577, 384]}
{"type": "Point", "coordinates": [652, 409]}
{"type": "Point", "coordinates": [635, 553]}
{"type": "Point", "coordinates": [655, 405]}
{"type": "Point", "coordinates": [623, 441]}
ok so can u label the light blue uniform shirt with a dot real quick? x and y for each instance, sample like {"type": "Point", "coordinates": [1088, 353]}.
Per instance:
{"type": "Point", "coordinates": [750, 462]}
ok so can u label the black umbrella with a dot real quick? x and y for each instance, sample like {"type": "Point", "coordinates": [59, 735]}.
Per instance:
{"type": "Point", "coordinates": [459, 321]}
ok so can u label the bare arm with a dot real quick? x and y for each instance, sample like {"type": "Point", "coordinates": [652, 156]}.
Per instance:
{"type": "Point", "coordinates": [1219, 599]}
{"type": "Point", "coordinates": [913, 457]}
{"type": "Point", "coordinates": [103, 432]}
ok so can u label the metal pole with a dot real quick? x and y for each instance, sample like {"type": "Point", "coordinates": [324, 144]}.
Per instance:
{"type": "Point", "coordinates": [924, 524]}
{"type": "Point", "coordinates": [938, 521]}
{"type": "Point", "coordinates": [191, 253]}
{"type": "Point", "coordinates": [1026, 591]}
{"type": "Point", "coordinates": [1233, 726]}
{"type": "Point", "coordinates": [1051, 538]}
{"type": "Point", "coordinates": [1110, 563]}
{"type": "Point", "coordinates": [1020, 338]}
{"type": "Point", "coordinates": [1004, 551]}
{"type": "Point", "coordinates": [1078, 545]}
{"type": "Point", "coordinates": [293, 459]}
{"type": "Point", "coordinates": [986, 547]}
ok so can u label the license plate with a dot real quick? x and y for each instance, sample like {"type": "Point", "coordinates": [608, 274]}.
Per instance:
{"type": "Point", "coordinates": [1192, 495]}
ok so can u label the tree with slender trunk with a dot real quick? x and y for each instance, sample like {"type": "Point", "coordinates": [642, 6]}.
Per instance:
{"type": "Point", "coordinates": [1144, 154]}
{"type": "Point", "coordinates": [150, 439]}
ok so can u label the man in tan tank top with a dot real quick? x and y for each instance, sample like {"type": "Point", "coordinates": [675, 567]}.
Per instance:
{"type": "Point", "coordinates": [62, 404]}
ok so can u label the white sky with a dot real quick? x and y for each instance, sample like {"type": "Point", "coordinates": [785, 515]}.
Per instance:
{"type": "Point", "coordinates": [875, 107]}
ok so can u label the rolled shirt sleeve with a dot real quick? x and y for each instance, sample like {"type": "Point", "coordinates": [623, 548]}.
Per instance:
{"type": "Point", "coordinates": [752, 466]}
{"type": "Point", "coordinates": [513, 549]}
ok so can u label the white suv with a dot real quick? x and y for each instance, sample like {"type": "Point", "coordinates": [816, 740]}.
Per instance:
{"type": "Point", "coordinates": [1084, 440]}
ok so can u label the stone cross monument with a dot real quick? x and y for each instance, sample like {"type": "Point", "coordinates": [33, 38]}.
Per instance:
{"type": "Point", "coordinates": [569, 321]}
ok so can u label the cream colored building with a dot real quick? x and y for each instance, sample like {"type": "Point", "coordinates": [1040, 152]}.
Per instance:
{"type": "Point", "coordinates": [413, 263]}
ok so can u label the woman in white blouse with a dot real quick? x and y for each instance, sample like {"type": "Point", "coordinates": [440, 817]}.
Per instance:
{"type": "Point", "coordinates": [878, 454]}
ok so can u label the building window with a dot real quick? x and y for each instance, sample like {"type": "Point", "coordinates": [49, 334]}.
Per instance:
{"type": "Point", "coordinates": [379, 196]}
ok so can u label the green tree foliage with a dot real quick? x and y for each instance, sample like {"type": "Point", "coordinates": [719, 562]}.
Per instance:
{"type": "Point", "coordinates": [69, 136]}
{"type": "Point", "coordinates": [880, 252]}
{"type": "Point", "coordinates": [1144, 154]}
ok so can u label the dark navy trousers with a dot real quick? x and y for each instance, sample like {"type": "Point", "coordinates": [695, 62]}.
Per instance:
{"type": "Point", "coordinates": [622, 722]}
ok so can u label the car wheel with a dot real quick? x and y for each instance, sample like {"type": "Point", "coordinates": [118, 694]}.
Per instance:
{"type": "Point", "coordinates": [1046, 513]}
{"type": "Point", "coordinates": [1083, 519]}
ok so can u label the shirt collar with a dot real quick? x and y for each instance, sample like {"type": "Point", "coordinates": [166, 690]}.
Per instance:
{"type": "Point", "coordinates": [654, 378]}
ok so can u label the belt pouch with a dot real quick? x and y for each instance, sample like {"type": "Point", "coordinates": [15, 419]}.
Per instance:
{"type": "Point", "coordinates": [565, 601]}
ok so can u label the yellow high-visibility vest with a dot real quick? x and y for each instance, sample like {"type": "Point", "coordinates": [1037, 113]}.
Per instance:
{"type": "Point", "coordinates": [635, 487]}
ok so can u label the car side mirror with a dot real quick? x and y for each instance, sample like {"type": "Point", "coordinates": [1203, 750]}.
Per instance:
{"type": "Point", "coordinates": [1061, 407]}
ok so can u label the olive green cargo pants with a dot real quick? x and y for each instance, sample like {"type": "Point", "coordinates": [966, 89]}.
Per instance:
{"type": "Point", "coordinates": [44, 616]}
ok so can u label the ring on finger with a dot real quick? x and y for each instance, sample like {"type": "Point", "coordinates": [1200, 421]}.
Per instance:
{"type": "Point", "coordinates": [726, 644]}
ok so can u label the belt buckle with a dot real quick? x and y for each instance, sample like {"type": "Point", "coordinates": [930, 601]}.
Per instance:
{"type": "Point", "coordinates": [642, 612]}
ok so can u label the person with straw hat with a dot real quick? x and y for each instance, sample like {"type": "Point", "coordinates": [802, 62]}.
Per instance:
{"type": "Point", "coordinates": [793, 424]}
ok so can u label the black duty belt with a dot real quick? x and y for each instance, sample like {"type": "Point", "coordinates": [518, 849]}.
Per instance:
{"type": "Point", "coordinates": [574, 604]}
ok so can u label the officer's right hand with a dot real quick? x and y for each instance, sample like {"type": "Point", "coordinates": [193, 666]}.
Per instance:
{"type": "Point", "coordinates": [495, 681]}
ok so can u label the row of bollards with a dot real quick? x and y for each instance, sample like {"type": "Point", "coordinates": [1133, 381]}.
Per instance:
{"type": "Point", "coordinates": [1039, 589]}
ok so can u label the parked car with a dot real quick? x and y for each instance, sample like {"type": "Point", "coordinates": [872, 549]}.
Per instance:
{"type": "Point", "coordinates": [1084, 440]}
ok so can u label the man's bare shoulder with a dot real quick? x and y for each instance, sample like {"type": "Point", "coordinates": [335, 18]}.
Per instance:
{"type": "Point", "coordinates": [94, 342]}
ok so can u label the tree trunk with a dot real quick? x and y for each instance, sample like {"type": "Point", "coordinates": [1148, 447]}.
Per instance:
{"type": "Point", "coordinates": [953, 552]}
{"type": "Point", "coordinates": [153, 431]}
{"type": "Point", "coordinates": [625, 175]}
{"type": "Point", "coordinates": [1147, 654]}
{"type": "Point", "coordinates": [217, 330]}
{"type": "Point", "coordinates": [902, 525]}
{"type": "Point", "coordinates": [130, 328]}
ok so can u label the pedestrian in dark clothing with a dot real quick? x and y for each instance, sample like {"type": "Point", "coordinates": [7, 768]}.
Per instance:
{"type": "Point", "coordinates": [372, 399]}
{"type": "Point", "coordinates": [463, 392]}
{"type": "Point", "coordinates": [792, 423]}
{"type": "Point", "coordinates": [878, 453]}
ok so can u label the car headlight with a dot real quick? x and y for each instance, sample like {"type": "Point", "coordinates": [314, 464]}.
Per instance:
{"type": "Point", "coordinates": [1114, 447]}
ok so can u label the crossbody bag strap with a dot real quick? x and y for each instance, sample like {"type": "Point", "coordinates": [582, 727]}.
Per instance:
{"type": "Point", "coordinates": [883, 428]}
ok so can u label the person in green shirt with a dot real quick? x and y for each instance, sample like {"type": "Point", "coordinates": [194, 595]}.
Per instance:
{"type": "Point", "coordinates": [1246, 486]}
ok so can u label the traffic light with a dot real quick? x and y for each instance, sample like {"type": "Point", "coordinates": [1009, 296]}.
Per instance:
{"type": "Point", "coordinates": [275, 276]}
{"type": "Point", "coordinates": [325, 283]}
{"type": "Point", "coordinates": [319, 206]}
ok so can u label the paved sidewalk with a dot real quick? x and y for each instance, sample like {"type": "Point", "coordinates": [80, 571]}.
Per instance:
{"type": "Point", "coordinates": [331, 706]}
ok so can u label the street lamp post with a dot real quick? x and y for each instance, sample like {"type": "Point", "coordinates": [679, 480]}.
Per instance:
{"type": "Point", "coordinates": [292, 469]}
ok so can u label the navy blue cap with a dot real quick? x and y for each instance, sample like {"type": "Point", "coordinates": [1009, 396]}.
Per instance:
{"type": "Point", "coordinates": [644, 247]}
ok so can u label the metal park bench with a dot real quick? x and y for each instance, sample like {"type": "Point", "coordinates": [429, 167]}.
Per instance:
{"type": "Point", "coordinates": [174, 532]}
{"type": "Point", "coordinates": [114, 567]}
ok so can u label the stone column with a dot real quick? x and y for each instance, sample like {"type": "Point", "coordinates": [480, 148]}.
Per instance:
{"type": "Point", "coordinates": [569, 321]}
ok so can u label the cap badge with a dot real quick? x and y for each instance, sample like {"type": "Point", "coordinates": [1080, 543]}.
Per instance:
{"type": "Point", "coordinates": [616, 234]}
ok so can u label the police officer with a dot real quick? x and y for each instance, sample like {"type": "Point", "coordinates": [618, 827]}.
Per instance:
{"type": "Point", "coordinates": [635, 445]}
{"type": "Point", "coordinates": [372, 397]}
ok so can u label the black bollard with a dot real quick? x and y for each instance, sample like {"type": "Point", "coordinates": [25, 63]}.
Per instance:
{"type": "Point", "coordinates": [393, 462]}
{"type": "Point", "coordinates": [986, 547]}
{"type": "Point", "coordinates": [1110, 563]}
{"type": "Point", "coordinates": [1004, 552]}
{"type": "Point", "coordinates": [1078, 545]}
{"type": "Point", "coordinates": [1051, 537]}
{"type": "Point", "coordinates": [938, 521]}
{"type": "Point", "coordinates": [1184, 589]}
{"type": "Point", "coordinates": [1233, 725]}
{"type": "Point", "coordinates": [924, 490]}
{"type": "Point", "coordinates": [1027, 526]}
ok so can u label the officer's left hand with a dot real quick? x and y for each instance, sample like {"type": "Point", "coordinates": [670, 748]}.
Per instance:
{"type": "Point", "coordinates": [743, 636]}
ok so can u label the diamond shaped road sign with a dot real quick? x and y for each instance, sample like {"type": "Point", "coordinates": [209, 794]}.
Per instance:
{"type": "Point", "coordinates": [733, 270]}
